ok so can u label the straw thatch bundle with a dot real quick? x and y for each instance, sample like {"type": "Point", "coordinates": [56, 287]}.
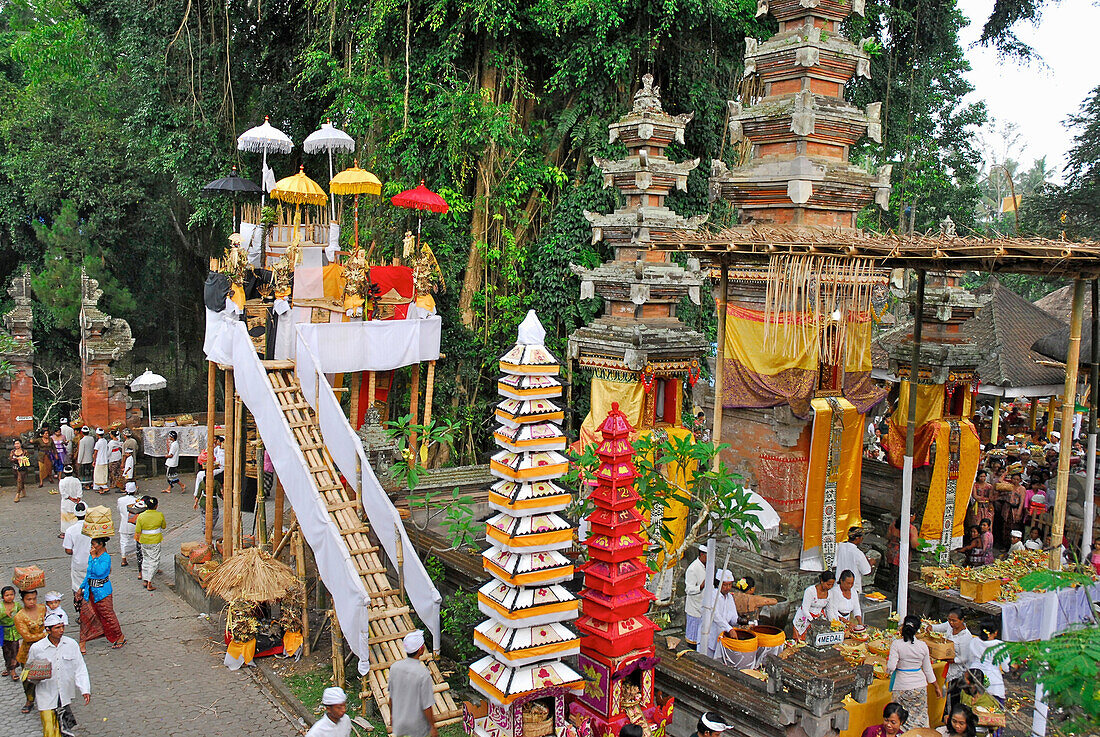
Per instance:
{"type": "Point", "coordinates": [252, 574]}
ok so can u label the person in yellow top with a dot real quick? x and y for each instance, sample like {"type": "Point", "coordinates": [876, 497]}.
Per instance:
{"type": "Point", "coordinates": [28, 623]}
{"type": "Point", "coordinates": [149, 532]}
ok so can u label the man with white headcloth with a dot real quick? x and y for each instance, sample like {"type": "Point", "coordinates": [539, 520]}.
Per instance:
{"type": "Point", "coordinates": [335, 722]}
{"type": "Point", "coordinates": [723, 615]}
{"type": "Point", "coordinates": [695, 579]}
{"type": "Point", "coordinates": [411, 694]}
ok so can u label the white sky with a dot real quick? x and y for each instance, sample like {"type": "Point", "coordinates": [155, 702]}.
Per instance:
{"type": "Point", "coordinates": [1037, 97]}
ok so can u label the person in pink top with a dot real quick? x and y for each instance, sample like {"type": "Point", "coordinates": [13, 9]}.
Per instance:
{"type": "Point", "coordinates": [910, 667]}
{"type": "Point", "coordinates": [894, 717]}
{"type": "Point", "coordinates": [1094, 556]}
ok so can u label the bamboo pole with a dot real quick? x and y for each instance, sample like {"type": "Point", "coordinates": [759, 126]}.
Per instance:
{"type": "Point", "coordinates": [996, 421]}
{"type": "Point", "coordinates": [1050, 417]}
{"type": "Point", "coordinates": [1033, 414]}
{"type": "Point", "coordinates": [208, 512]}
{"type": "Point", "coordinates": [720, 359]}
{"type": "Point", "coordinates": [910, 442]}
{"type": "Point", "coordinates": [339, 678]}
{"type": "Point", "coordinates": [1090, 465]}
{"type": "Point", "coordinates": [1069, 399]}
{"type": "Point", "coordinates": [355, 383]}
{"type": "Point", "coordinates": [429, 393]}
{"type": "Point", "coordinates": [277, 523]}
{"type": "Point", "coordinates": [414, 401]}
{"type": "Point", "coordinates": [238, 477]}
{"type": "Point", "coordinates": [569, 397]}
{"type": "Point", "coordinates": [259, 517]}
{"type": "Point", "coordinates": [372, 390]}
{"type": "Point", "coordinates": [300, 569]}
{"type": "Point", "coordinates": [230, 467]}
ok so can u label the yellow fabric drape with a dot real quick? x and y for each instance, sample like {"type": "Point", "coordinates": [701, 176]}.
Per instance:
{"type": "Point", "coordinates": [238, 650]}
{"type": "Point", "coordinates": [929, 404]}
{"type": "Point", "coordinates": [631, 399]}
{"type": "Point", "coordinates": [857, 344]}
{"type": "Point", "coordinates": [291, 642]}
{"type": "Point", "coordinates": [333, 281]}
{"type": "Point", "coordinates": [969, 457]}
{"type": "Point", "coordinates": [787, 347]}
{"type": "Point", "coordinates": [848, 473]}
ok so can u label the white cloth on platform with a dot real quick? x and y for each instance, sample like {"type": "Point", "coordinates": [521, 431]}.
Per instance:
{"type": "Point", "coordinates": [372, 345]}
{"type": "Point", "coordinates": [850, 558]}
{"type": "Point", "coordinates": [81, 545]}
{"type": "Point", "coordinates": [723, 618]}
{"type": "Point", "coordinates": [811, 608]}
{"type": "Point", "coordinates": [1021, 619]}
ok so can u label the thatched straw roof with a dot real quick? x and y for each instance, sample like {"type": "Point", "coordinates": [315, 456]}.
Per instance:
{"type": "Point", "coordinates": [1056, 345]}
{"type": "Point", "coordinates": [1060, 303]}
{"type": "Point", "coordinates": [251, 574]}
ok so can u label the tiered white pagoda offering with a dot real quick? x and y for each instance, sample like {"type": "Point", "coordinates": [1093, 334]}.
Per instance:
{"type": "Point", "coordinates": [526, 636]}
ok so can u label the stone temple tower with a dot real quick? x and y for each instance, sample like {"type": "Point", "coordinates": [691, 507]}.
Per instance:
{"type": "Point", "coordinates": [801, 131]}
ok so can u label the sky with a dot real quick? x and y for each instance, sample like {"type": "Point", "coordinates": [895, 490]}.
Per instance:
{"type": "Point", "coordinates": [1038, 96]}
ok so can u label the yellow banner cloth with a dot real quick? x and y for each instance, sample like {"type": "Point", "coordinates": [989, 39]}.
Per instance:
{"type": "Point", "coordinates": [929, 404]}
{"type": "Point", "coordinates": [969, 457]}
{"type": "Point", "coordinates": [847, 469]}
{"type": "Point", "coordinates": [291, 642]}
{"type": "Point", "coordinates": [629, 395]}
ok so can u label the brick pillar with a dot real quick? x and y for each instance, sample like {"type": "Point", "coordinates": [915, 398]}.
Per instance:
{"type": "Point", "coordinates": [104, 398]}
{"type": "Point", "coordinates": [17, 393]}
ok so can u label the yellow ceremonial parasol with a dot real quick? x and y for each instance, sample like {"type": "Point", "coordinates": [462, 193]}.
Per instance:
{"type": "Point", "coordinates": [299, 190]}
{"type": "Point", "coordinates": [355, 181]}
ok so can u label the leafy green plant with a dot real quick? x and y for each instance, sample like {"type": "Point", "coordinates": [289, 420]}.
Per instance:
{"type": "Point", "coordinates": [459, 615]}
{"type": "Point", "coordinates": [409, 468]}
{"type": "Point", "coordinates": [457, 512]}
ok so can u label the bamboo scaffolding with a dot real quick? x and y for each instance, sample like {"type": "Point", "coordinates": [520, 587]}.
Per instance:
{"type": "Point", "coordinates": [208, 511]}
{"type": "Point", "coordinates": [230, 467]}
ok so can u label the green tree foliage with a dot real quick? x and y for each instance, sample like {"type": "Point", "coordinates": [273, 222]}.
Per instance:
{"type": "Point", "coordinates": [1072, 208]}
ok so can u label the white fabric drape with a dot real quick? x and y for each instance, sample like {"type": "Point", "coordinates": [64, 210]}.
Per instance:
{"type": "Point", "coordinates": [372, 345]}
{"type": "Point", "coordinates": [347, 451]}
{"type": "Point", "coordinates": [334, 564]}
{"type": "Point", "coordinates": [1021, 620]}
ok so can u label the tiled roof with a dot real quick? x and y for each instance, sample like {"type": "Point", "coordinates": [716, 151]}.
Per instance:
{"type": "Point", "coordinates": [1004, 330]}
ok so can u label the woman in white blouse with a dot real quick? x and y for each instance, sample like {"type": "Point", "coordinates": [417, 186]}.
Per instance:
{"type": "Point", "coordinates": [910, 669]}
{"type": "Point", "coordinates": [844, 601]}
{"type": "Point", "coordinates": [814, 602]}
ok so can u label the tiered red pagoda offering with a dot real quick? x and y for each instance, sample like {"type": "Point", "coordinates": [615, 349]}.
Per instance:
{"type": "Point", "coordinates": [617, 656]}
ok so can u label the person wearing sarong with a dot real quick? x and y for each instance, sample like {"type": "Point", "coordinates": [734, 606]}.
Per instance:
{"type": "Point", "coordinates": [126, 544]}
{"type": "Point", "coordinates": [910, 667]}
{"type": "Point", "coordinates": [61, 452]}
{"type": "Point", "coordinates": [46, 454]}
{"type": "Point", "coordinates": [100, 456]}
{"type": "Point", "coordinates": [20, 466]}
{"type": "Point", "coordinates": [71, 494]}
{"type": "Point", "coordinates": [695, 579]}
{"type": "Point", "coordinates": [149, 532]}
{"type": "Point", "coordinates": [983, 498]}
{"type": "Point", "coordinates": [723, 618]}
{"type": "Point", "coordinates": [28, 623]}
{"type": "Point", "coordinates": [114, 461]}
{"type": "Point", "coordinates": [85, 449]}
{"type": "Point", "coordinates": [68, 676]}
{"type": "Point", "coordinates": [97, 611]}
{"type": "Point", "coordinates": [814, 600]}
{"type": "Point", "coordinates": [8, 607]}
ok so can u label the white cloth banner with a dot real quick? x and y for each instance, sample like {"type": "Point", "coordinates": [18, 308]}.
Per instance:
{"type": "Point", "coordinates": [347, 451]}
{"type": "Point", "coordinates": [1021, 620]}
{"type": "Point", "coordinates": [334, 564]}
{"type": "Point", "coordinates": [372, 345]}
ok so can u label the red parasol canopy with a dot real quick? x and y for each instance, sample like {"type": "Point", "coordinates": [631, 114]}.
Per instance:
{"type": "Point", "coordinates": [420, 198]}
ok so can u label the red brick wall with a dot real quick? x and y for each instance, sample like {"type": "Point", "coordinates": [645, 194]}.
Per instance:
{"type": "Point", "coordinates": [104, 401]}
{"type": "Point", "coordinates": [17, 402]}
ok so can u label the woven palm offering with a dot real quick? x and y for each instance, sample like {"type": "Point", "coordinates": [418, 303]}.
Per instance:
{"type": "Point", "coordinates": [97, 523]}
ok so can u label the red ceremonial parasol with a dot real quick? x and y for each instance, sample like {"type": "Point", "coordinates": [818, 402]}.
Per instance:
{"type": "Point", "coordinates": [420, 198]}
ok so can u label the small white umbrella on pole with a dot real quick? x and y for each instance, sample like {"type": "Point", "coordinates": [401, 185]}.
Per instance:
{"type": "Point", "coordinates": [261, 139]}
{"type": "Point", "coordinates": [148, 382]}
{"type": "Point", "coordinates": [328, 138]}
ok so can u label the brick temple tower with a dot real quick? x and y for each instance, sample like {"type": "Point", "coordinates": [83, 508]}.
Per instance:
{"type": "Point", "coordinates": [801, 131]}
{"type": "Point", "coordinates": [104, 397]}
{"type": "Point", "coordinates": [639, 351]}
{"type": "Point", "coordinates": [17, 392]}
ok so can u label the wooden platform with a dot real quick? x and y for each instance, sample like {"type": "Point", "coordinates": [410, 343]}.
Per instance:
{"type": "Point", "coordinates": [390, 619]}
{"type": "Point", "coordinates": [954, 599]}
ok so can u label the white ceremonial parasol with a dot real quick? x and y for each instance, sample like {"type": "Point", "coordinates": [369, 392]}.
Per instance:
{"type": "Point", "coordinates": [148, 382]}
{"type": "Point", "coordinates": [261, 139]}
{"type": "Point", "coordinates": [328, 138]}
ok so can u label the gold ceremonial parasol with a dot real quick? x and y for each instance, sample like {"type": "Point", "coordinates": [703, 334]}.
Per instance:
{"type": "Point", "coordinates": [355, 181]}
{"type": "Point", "coordinates": [299, 190]}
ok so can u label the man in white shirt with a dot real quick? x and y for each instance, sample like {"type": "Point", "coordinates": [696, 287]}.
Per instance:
{"type": "Point", "coordinates": [1017, 541]}
{"type": "Point", "coordinates": [411, 695]}
{"type": "Point", "coordinates": [71, 491]}
{"type": "Point", "coordinates": [85, 448]}
{"type": "Point", "coordinates": [695, 580]}
{"type": "Point", "coordinates": [172, 462]}
{"type": "Point", "coordinates": [955, 630]}
{"type": "Point", "coordinates": [126, 543]}
{"type": "Point", "coordinates": [68, 676]}
{"type": "Point", "coordinates": [335, 722]}
{"type": "Point", "coordinates": [79, 546]}
{"type": "Point", "coordinates": [723, 618]}
{"type": "Point", "coordinates": [850, 558]}
{"type": "Point", "coordinates": [100, 456]}
{"type": "Point", "coordinates": [127, 466]}
{"type": "Point", "coordinates": [67, 432]}
{"type": "Point", "coordinates": [114, 459]}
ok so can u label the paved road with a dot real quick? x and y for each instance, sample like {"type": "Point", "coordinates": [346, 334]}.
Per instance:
{"type": "Point", "coordinates": [168, 679]}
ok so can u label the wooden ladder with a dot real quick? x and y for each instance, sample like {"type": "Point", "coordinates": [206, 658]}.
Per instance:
{"type": "Point", "coordinates": [389, 615]}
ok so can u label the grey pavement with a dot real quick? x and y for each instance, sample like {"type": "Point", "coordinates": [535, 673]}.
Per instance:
{"type": "Point", "coordinates": [169, 678]}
